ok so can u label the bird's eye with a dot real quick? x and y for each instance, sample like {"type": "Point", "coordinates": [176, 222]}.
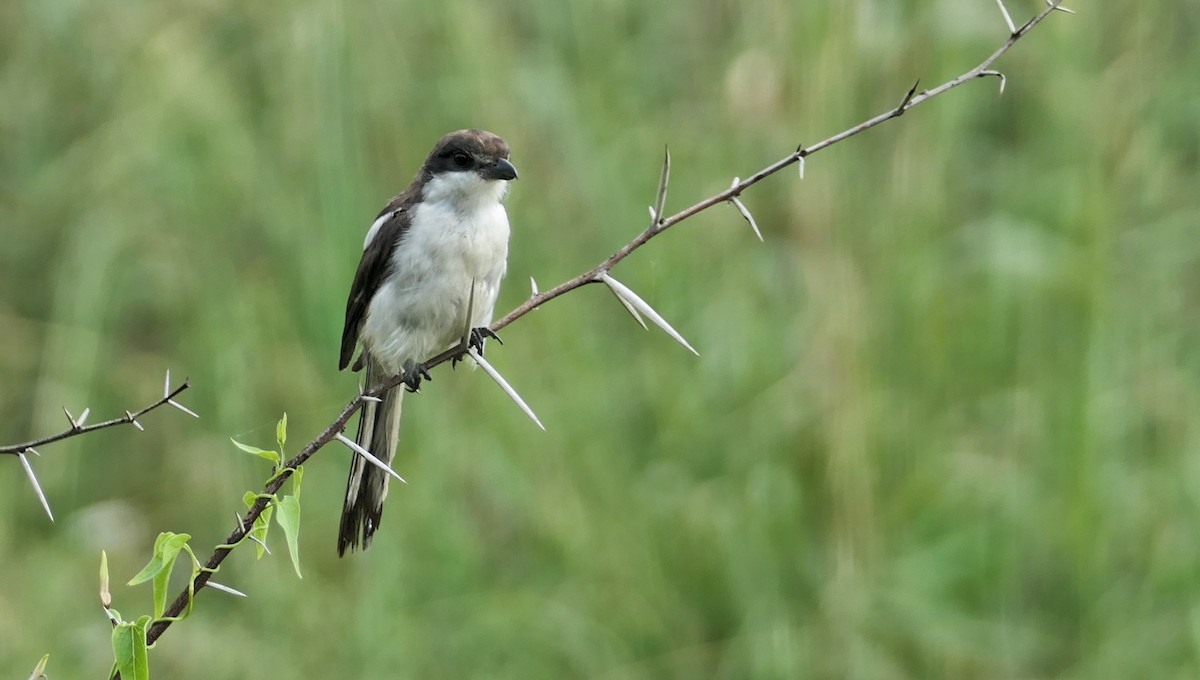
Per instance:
{"type": "Point", "coordinates": [461, 159]}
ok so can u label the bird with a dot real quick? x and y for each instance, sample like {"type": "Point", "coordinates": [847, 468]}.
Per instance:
{"type": "Point", "coordinates": [435, 254]}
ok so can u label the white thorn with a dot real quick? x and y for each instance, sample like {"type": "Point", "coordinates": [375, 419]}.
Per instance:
{"type": "Point", "coordinates": [377, 400]}
{"type": "Point", "coordinates": [630, 308]}
{"type": "Point", "coordinates": [254, 538]}
{"type": "Point", "coordinates": [111, 616]}
{"type": "Point", "coordinates": [495, 375]}
{"type": "Point", "coordinates": [1059, 7]}
{"type": "Point", "coordinates": [133, 421]}
{"type": "Point", "coordinates": [995, 74]}
{"type": "Point", "coordinates": [33, 451]}
{"type": "Point", "coordinates": [1007, 19]}
{"type": "Point", "coordinates": [167, 385]}
{"type": "Point", "coordinates": [737, 203]}
{"type": "Point", "coordinates": [735, 182]}
{"type": "Point", "coordinates": [83, 416]}
{"type": "Point", "coordinates": [225, 589]}
{"type": "Point", "coordinates": [533, 287]}
{"type": "Point", "coordinates": [71, 419]}
{"type": "Point", "coordinates": [368, 455]}
{"type": "Point", "coordinates": [183, 408]}
{"type": "Point", "coordinates": [36, 487]}
{"type": "Point", "coordinates": [800, 164]}
{"type": "Point", "coordinates": [632, 298]}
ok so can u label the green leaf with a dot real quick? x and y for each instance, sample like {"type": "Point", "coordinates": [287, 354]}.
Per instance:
{"type": "Point", "coordinates": [155, 564]}
{"type": "Point", "coordinates": [129, 650]}
{"type": "Point", "coordinates": [39, 671]}
{"type": "Point", "coordinates": [281, 432]}
{"type": "Point", "coordinates": [272, 456]}
{"type": "Point", "coordinates": [289, 521]}
{"type": "Point", "coordinates": [261, 523]}
{"type": "Point", "coordinates": [297, 476]}
{"type": "Point", "coordinates": [166, 549]}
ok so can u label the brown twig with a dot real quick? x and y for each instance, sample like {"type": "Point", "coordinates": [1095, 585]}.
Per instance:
{"type": "Point", "coordinates": [595, 275]}
{"type": "Point", "coordinates": [911, 99]}
{"type": "Point", "coordinates": [76, 428]}
{"type": "Point", "coordinates": [246, 523]}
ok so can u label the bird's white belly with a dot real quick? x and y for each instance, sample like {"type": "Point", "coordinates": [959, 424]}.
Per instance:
{"type": "Point", "coordinates": [421, 308]}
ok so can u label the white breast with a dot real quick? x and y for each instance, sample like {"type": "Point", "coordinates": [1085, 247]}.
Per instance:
{"type": "Point", "coordinates": [458, 239]}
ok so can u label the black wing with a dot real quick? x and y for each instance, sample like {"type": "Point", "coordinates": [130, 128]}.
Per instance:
{"type": "Point", "coordinates": [373, 269]}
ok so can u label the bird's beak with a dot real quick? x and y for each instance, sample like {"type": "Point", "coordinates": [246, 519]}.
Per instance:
{"type": "Point", "coordinates": [501, 169]}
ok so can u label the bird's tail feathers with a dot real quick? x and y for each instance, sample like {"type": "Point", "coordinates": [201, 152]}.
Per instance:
{"type": "Point", "coordinates": [378, 430]}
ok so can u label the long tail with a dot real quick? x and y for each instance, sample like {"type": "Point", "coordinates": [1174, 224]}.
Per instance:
{"type": "Point", "coordinates": [378, 430]}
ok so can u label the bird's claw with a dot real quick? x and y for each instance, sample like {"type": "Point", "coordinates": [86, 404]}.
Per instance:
{"type": "Point", "coordinates": [413, 377]}
{"type": "Point", "coordinates": [478, 335]}
{"type": "Point", "coordinates": [474, 341]}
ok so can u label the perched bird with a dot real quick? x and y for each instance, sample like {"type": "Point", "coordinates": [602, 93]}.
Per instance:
{"type": "Point", "coordinates": [437, 250]}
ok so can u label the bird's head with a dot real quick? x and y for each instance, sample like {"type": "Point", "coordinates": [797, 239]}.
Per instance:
{"type": "Point", "coordinates": [468, 164]}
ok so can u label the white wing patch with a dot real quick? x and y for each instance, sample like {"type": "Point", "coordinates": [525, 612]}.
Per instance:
{"type": "Point", "coordinates": [375, 227]}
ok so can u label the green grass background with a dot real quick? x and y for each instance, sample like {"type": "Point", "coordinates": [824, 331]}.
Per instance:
{"type": "Point", "coordinates": [943, 424]}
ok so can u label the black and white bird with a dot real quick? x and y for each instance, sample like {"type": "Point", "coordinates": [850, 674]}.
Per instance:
{"type": "Point", "coordinates": [437, 250]}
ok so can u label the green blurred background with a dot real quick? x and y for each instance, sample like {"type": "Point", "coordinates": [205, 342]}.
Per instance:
{"type": "Point", "coordinates": [943, 420]}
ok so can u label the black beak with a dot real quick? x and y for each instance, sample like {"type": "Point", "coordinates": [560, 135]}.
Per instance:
{"type": "Point", "coordinates": [501, 169]}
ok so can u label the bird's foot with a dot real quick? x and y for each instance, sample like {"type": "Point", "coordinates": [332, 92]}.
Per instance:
{"type": "Point", "coordinates": [474, 340]}
{"type": "Point", "coordinates": [413, 377]}
{"type": "Point", "coordinates": [478, 335]}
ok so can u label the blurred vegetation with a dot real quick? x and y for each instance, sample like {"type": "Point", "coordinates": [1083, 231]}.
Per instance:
{"type": "Point", "coordinates": [943, 424]}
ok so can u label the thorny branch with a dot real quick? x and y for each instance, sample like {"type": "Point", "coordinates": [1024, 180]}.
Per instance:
{"type": "Point", "coordinates": [78, 428]}
{"type": "Point", "coordinates": [598, 274]}
{"type": "Point", "coordinates": [657, 226]}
